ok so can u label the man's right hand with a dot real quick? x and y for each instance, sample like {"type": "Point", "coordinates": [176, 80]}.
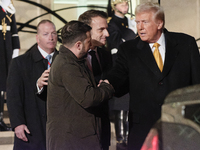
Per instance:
{"type": "Point", "coordinates": [100, 81]}
{"type": "Point", "coordinates": [43, 79]}
{"type": "Point", "coordinates": [20, 132]}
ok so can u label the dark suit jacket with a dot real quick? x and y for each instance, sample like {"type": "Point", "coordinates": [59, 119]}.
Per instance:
{"type": "Point", "coordinates": [106, 64]}
{"type": "Point", "coordinates": [24, 105]}
{"type": "Point", "coordinates": [105, 61]}
{"type": "Point", "coordinates": [149, 86]}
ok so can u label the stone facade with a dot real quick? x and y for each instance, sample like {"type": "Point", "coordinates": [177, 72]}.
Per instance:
{"type": "Point", "coordinates": [180, 16]}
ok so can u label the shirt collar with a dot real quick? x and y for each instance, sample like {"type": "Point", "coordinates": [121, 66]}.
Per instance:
{"type": "Point", "coordinates": [43, 53]}
{"type": "Point", "coordinates": [160, 41]}
{"type": "Point", "coordinates": [93, 49]}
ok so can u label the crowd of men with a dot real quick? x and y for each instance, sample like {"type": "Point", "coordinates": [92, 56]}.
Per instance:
{"type": "Point", "coordinates": [59, 99]}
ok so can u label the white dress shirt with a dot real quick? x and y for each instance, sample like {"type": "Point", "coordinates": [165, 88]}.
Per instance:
{"type": "Point", "coordinates": [161, 48]}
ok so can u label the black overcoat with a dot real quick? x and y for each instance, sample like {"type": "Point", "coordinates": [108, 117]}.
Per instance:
{"type": "Point", "coordinates": [25, 106]}
{"type": "Point", "coordinates": [148, 86]}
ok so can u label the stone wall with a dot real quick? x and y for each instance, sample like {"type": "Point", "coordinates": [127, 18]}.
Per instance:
{"type": "Point", "coordinates": [181, 16]}
{"type": "Point", "coordinates": [24, 13]}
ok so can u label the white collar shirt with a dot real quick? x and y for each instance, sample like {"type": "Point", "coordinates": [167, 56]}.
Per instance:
{"type": "Point", "coordinates": [161, 48]}
{"type": "Point", "coordinates": [44, 54]}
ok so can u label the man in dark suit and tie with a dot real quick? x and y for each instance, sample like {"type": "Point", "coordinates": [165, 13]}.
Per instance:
{"type": "Point", "coordinates": [98, 21]}
{"type": "Point", "coordinates": [155, 63]}
{"type": "Point", "coordinates": [26, 89]}
{"type": "Point", "coordinates": [99, 61]}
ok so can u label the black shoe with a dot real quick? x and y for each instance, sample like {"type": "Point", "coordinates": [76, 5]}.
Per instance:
{"type": "Point", "coordinates": [121, 146]}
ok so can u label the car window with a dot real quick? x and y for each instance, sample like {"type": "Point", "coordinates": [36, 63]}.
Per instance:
{"type": "Point", "coordinates": [192, 112]}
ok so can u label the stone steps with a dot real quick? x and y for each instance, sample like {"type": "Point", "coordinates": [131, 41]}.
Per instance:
{"type": "Point", "coordinates": [6, 137]}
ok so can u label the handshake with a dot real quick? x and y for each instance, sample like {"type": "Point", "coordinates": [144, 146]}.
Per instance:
{"type": "Point", "coordinates": [106, 81]}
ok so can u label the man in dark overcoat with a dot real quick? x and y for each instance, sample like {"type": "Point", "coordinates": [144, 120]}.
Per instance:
{"type": "Point", "coordinates": [73, 119]}
{"type": "Point", "coordinates": [155, 63]}
{"type": "Point", "coordinates": [26, 90]}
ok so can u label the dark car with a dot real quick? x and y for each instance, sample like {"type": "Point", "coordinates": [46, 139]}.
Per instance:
{"type": "Point", "coordinates": [179, 125]}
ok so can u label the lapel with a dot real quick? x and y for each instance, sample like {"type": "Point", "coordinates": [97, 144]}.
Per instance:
{"type": "Point", "coordinates": [102, 57]}
{"type": "Point", "coordinates": [99, 52]}
{"type": "Point", "coordinates": [92, 79]}
{"type": "Point", "coordinates": [38, 59]}
{"type": "Point", "coordinates": [171, 53]}
{"type": "Point", "coordinates": [55, 53]}
{"type": "Point", "coordinates": [36, 66]}
{"type": "Point", "coordinates": [39, 62]}
{"type": "Point", "coordinates": [146, 55]}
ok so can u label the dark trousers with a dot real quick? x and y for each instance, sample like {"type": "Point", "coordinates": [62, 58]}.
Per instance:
{"type": "Point", "coordinates": [121, 125]}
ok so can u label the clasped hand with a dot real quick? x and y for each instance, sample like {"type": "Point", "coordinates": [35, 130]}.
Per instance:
{"type": "Point", "coordinates": [106, 81]}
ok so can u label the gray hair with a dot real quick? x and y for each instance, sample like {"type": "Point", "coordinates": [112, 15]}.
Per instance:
{"type": "Point", "coordinates": [157, 10]}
